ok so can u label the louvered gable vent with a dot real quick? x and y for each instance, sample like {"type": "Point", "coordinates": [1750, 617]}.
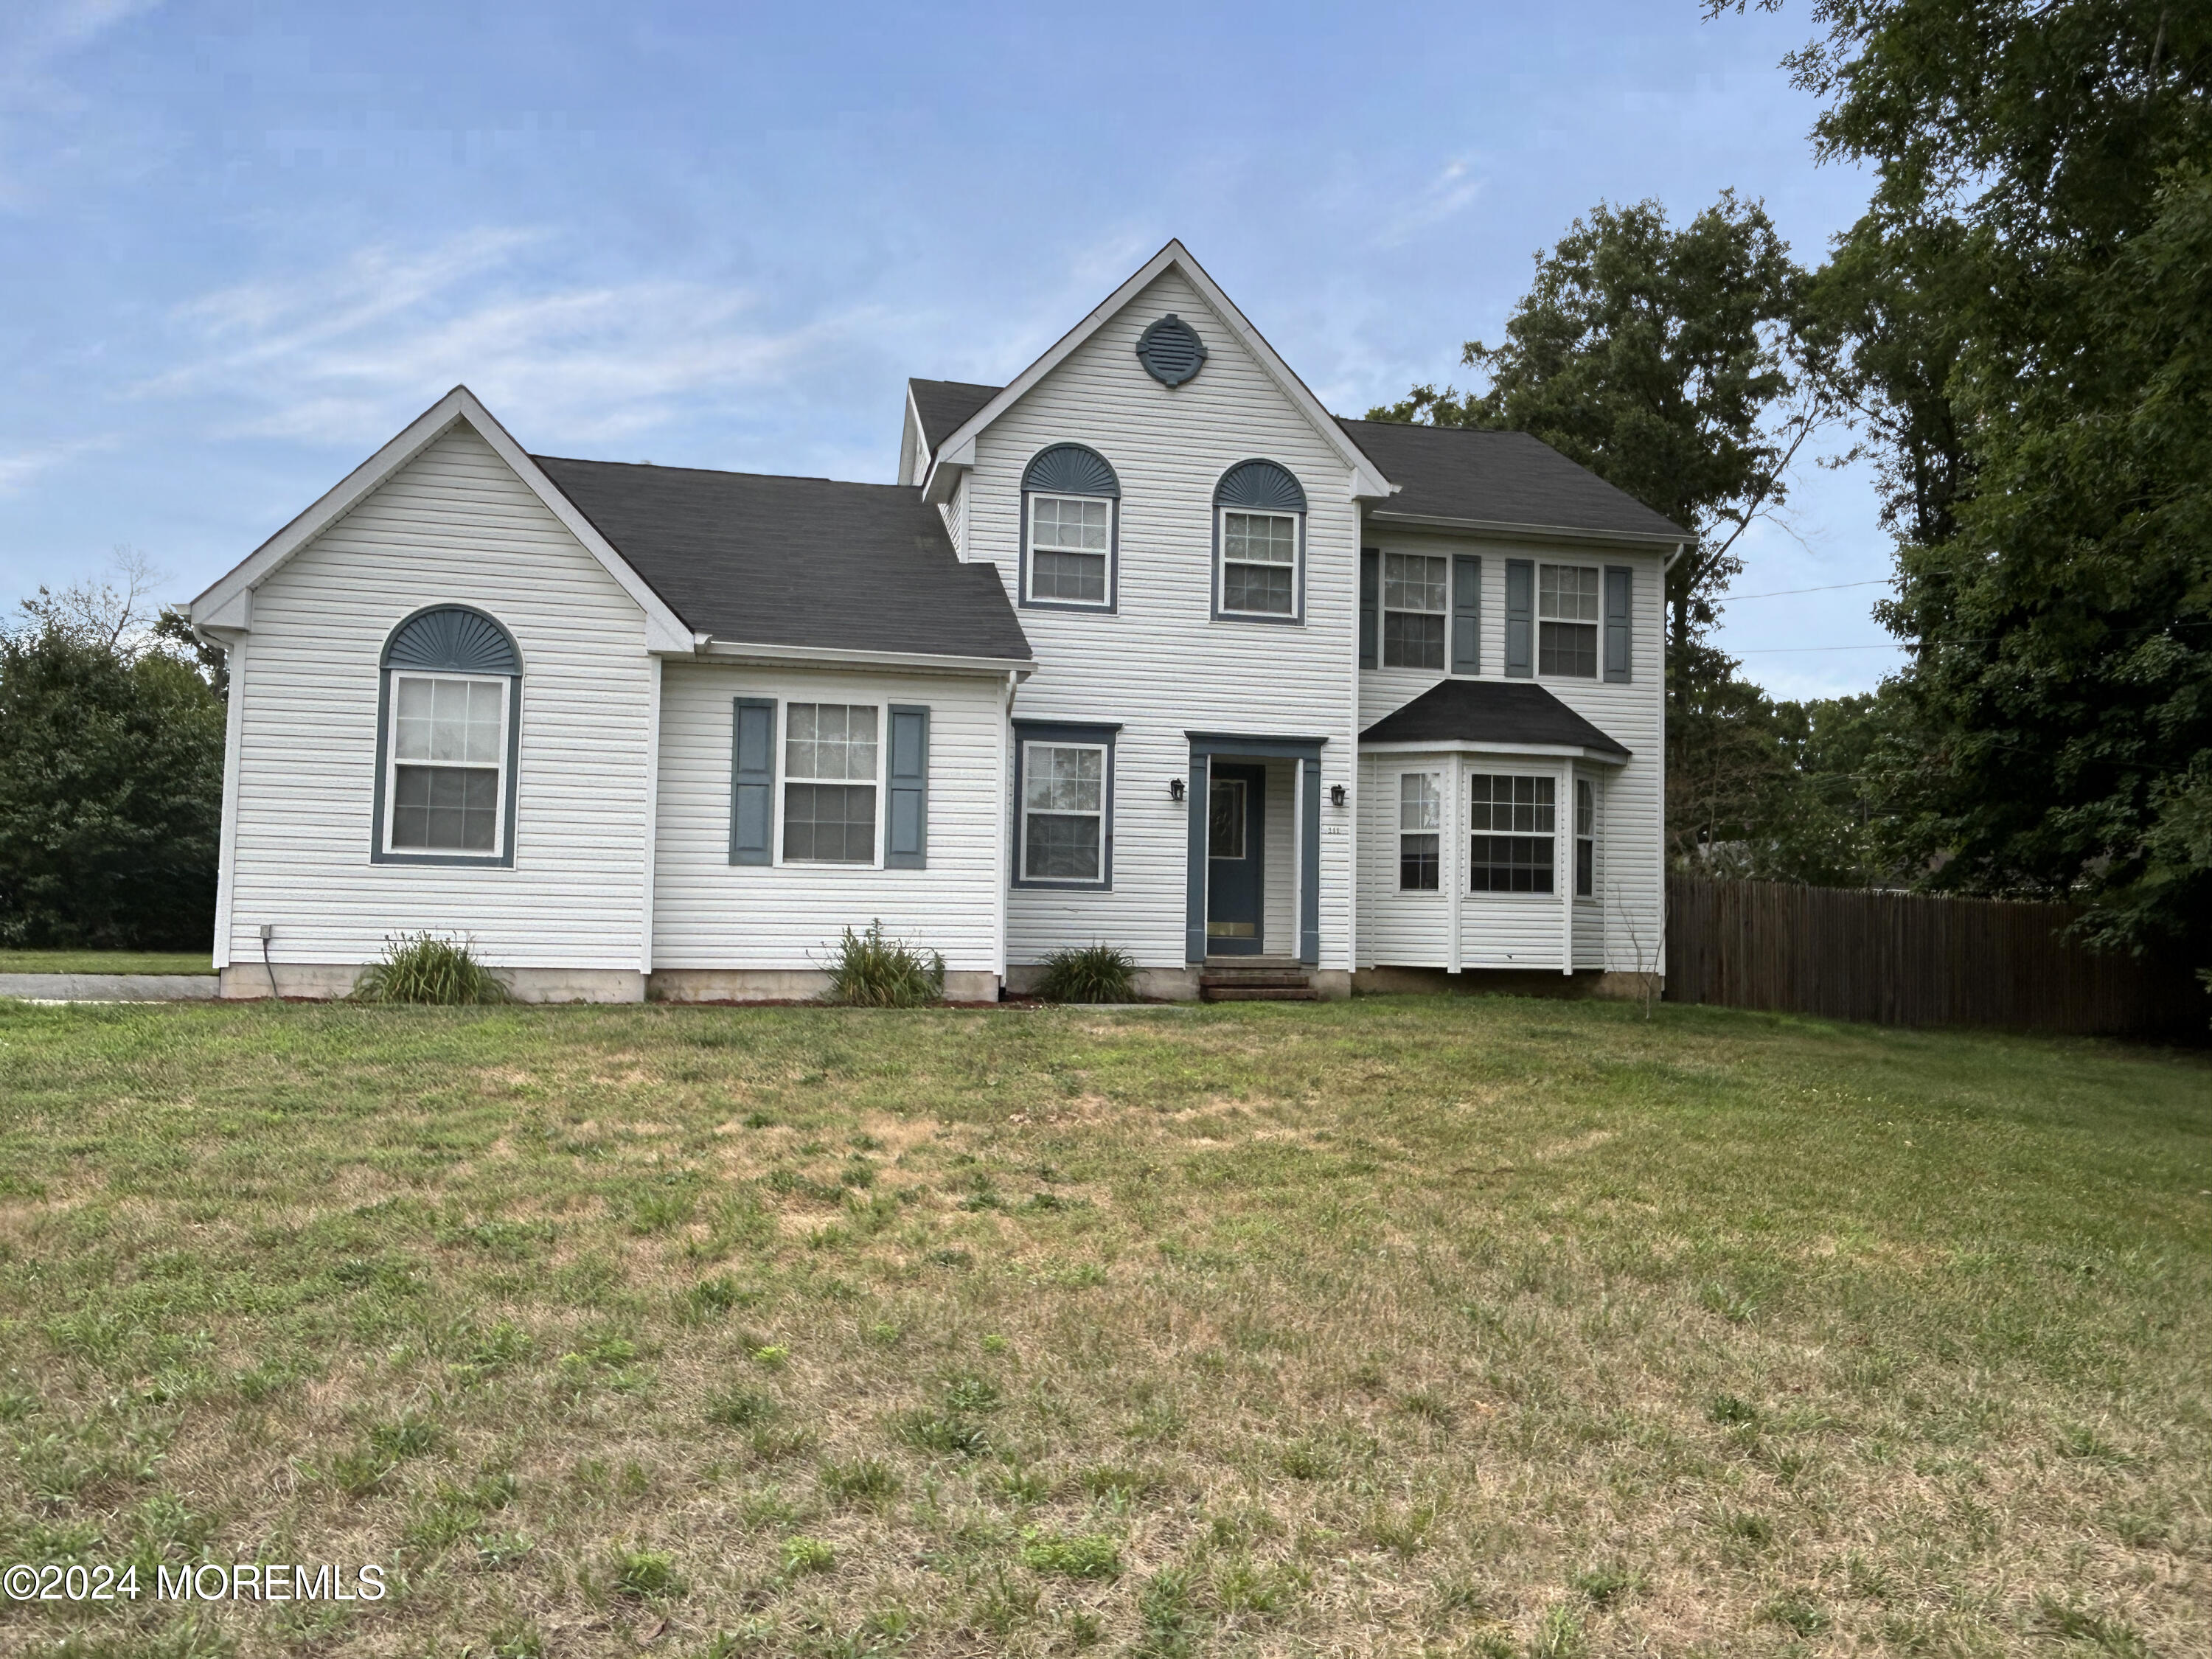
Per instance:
{"type": "Point", "coordinates": [1171, 351]}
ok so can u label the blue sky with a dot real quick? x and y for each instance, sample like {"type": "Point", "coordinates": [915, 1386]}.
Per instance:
{"type": "Point", "coordinates": [249, 242]}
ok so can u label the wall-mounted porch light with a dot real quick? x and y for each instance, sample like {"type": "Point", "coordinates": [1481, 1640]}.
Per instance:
{"type": "Point", "coordinates": [1336, 794]}
{"type": "Point", "coordinates": [1174, 788]}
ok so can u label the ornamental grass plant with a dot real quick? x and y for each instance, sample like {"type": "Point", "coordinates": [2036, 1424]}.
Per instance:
{"type": "Point", "coordinates": [874, 970]}
{"type": "Point", "coordinates": [423, 968]}
{"type": "Point", "coordinates": [1089, 973]}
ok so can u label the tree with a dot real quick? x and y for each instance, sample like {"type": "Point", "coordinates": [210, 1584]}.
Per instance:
{"type": "Point", "coordinates": [1672, 363]}
{"type": "Point", "coordinates": [110, 778]}
{"type": "Point", "coordinates": [2026, 311]}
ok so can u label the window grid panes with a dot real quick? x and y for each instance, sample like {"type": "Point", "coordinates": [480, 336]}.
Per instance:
{"type": "Point", "coordinates": [1510, 849]}
{"type": "Point", "coordinates": [448, 750]}
{"type": "Point", "coordinates": [1567, 614]}
{"type": "Point", "coordinates": [1414, 599]}
{"type": "Point", "coordinates": [1224, 818]}
{"type": "Point", "coordinates": [1420, 831]}
{"type": "Point", "coordinates": [1259, 563]}
{"type": "Point", "coordinates": [830, 754]}
{"type": "Point", "coordinates": [1071, 537]}
{"type": "Point", "coordinates": [1063, 812]}
{"type": "Point", "coordinates": [1585, 839]}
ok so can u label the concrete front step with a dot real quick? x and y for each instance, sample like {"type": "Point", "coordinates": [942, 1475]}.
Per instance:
{"type": "Point", "coordinates": [1257, 993]}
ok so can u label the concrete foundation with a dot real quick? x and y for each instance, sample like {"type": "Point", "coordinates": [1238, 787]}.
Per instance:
{"type": "Point", "coordinates": [1499, 982]}
{"type": "Point", "coordinates": [787, 985]}
{"type": "Point", "coordinates": [329, 981]}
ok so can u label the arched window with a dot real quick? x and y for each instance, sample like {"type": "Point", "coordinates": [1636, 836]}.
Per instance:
{"type": "Point", "coordinates": [1071, 530]}
{"type": "Point", "coordinates": [447, 736]}
{"type": "Point", "coordinates": [1260, 544]}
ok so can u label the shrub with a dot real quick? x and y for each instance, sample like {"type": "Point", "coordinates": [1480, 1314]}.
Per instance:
{"type": "Point", "coordinates": [1089, 973]}
{"type": "Point", "coordinates": [422, 968]}
{"type": "Point", "coordinates": [870, 970]}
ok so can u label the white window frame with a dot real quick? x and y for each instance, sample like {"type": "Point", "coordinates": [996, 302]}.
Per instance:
{"type": "Point", "coordinates": [1469, 832]}
{"type": "Point", "coordinates": [1105, 753]}
{"type": "Point", "coordinates": [1595, 621]}
{"type": "Point", "coordinates": [393, 762]}
{"type": "Point", "coordinates": [783, 779]}
{"type": "Point", "coordinates": [1443, 612]}
{"type": "Point", "coordinates": [1439, 786]}
{"type": "Point", "coordinates": [1106, 555]}
{"type": "Point", "coordinates": [1222, 561]}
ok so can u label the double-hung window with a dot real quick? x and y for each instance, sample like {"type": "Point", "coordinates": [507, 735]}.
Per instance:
{"type": "Point", "coordinates": [830, 758]}
{"type": "Point", "coordinates": [1415, 597]}
{"type": "Point", "coordinates": [1071, 537]}
{"type": "Point", "coordinates": [449, 717]}
{"type": "Point", "coordinates": [1259, 563]}
{"type": "Point", "coordinates": [1566, 620]}
{"type": "Point", "coordinates": [1420, 831]}
{"type": "Point", "coordinates": [1509, 820]}
{"type": "Point", "coordinates": [447, 764]}
{"type": "Point", "coordinates": [1259, 540]}
{"type": "Point", "coordinates": [1585, 839]}
{"type": "Point", "coordinates": [1064, 811]}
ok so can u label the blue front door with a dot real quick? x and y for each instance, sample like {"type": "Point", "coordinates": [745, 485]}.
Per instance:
{"type": "Point", "coordinates": [1235, 833]}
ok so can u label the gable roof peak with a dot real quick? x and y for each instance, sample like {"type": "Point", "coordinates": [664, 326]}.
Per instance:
{"type": "Point", "coordinates": [955, 454]}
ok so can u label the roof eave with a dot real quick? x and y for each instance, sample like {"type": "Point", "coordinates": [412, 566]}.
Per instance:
{"type": "Point", "coordinates": [1482, 746]}
{"type": "Point", "coordinates": [823, 656]}
{"type": "Point", "coordinates": [1650, 540]}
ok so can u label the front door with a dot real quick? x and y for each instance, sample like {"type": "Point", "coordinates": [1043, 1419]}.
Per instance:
{"type": "Point", "coordinates": [1236, 832]}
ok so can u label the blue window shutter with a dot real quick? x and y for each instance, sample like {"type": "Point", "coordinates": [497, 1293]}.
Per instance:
{"type": "Point", "coordinates": [1521, 618]}
{"type": "Point", "coordinates": [907, 845]}
{"type": "Point", "coordinates": [1467, 614]}
{"type": "Point", "coordinates": [1620, 584]}
{"type": "Point", "coordinates": [1371, 607]}
{"type": "Point", "coordinates": [752, 781]}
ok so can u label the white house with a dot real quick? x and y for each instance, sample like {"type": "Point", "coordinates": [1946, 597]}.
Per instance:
{"type": "Point", "coordinates": [1143, 647]}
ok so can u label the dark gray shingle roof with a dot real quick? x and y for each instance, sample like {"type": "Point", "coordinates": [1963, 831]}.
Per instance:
{"type": "Point", "coordinates": [946, 405]}
{"type": "Point", "coordinates": [762, 560]}
{"type": "Point", "coordinates": [1496, 477]}
{"type": "Point", "coordinates": [1490, 711]}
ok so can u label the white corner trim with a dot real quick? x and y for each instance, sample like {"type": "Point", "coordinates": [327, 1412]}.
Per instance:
{"type": "Point", "coordinates": [227, 602]}
{"type": "Point", "coordinates": [959, 449]}
{"type": "Point", "coordinates": [226, 862]}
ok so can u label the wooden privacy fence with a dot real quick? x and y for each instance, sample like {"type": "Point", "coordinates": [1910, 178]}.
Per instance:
{"type": "Point", "coordinates": [1913, 959]}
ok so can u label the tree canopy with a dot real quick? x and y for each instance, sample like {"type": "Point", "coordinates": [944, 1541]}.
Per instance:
{"type": "Point", "coordinates": [111, 779]}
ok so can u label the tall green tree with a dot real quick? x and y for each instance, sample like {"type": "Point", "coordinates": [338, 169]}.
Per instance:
{"type": "Point", "coordinates": [1671, 360]}
{"type": "Point", "coordinates": [2027, 313]}
{"type": "Point", "coordinates": [111, 779]}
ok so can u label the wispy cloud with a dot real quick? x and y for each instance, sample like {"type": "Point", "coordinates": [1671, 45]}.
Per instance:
{"type": "Point", "coordinates": [342, 355]}
{"type": "Point", "coordinates": [18, 468]}
{"type": "Point", "coordinates": [1443, 196]}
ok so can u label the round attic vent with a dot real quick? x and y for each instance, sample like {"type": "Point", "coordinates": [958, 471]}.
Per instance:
{"type": "Point", "coordinates": [1170, 351]}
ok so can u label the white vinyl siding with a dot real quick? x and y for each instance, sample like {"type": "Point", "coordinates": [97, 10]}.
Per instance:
{"type": "Point", "coordinates": [1622, 921]}
{"type": "Point", "coordinates": [1160, 665]}
{"type": "Point", "coordinates": [454, 526]}
{"type": "Point", "coordinates": [708, 913]}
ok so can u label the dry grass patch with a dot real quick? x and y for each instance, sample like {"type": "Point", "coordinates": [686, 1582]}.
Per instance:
{"type": "Point", "coordinates": [1476, 1327]}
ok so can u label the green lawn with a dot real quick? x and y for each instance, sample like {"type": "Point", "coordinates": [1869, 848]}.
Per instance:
{"type": "Point", "coordinates": [105, 962]}
{"type": "Point", "coordinates": [1477, 1327]}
